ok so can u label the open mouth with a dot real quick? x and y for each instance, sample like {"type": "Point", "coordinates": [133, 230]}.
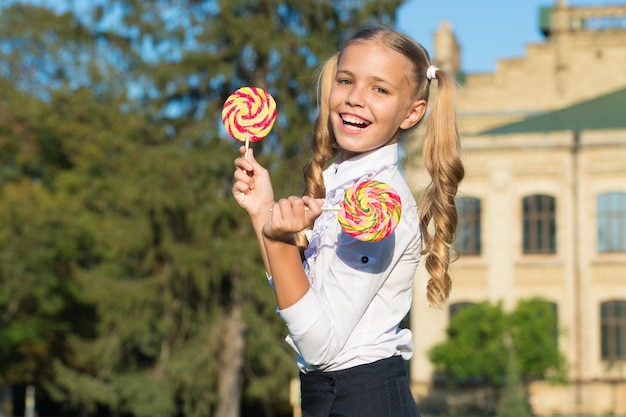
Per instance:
{"type": "Point", "coordinates": [354, 122]}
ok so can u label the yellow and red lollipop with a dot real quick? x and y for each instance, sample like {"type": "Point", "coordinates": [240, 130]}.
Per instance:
{"type": "Point", "coordinates": [249, 114]}
{"type": "Point", "coordinates": [370, 211]}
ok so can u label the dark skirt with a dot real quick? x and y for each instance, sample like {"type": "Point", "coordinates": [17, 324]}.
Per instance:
{"type": "Point", "coordinates": [378, 389]}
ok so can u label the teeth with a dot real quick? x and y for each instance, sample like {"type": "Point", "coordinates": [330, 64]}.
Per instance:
{"type": "Point", "coordinates": [355, 121]}
{"type": "Point", "coordinates": [352, 119]}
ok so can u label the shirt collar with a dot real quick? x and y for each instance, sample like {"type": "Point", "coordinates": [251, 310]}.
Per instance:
{"type": "Point", "coordinates": [358, 165]}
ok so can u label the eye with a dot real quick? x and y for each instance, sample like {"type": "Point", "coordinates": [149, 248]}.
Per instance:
{"type": "Point", "coordinates": [344, 81]}
{"type": "Point", "coordinates": [381, 90]}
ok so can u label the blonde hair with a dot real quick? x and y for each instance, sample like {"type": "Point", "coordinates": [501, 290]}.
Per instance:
{"type": "Point", "coordinates": [441, 153]}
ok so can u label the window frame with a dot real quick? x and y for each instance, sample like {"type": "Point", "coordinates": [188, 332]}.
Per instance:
{"type": "Point", "coordinates": [539, 225]}
{"type": "Point", "coordinates": [611, 222]}
{"type": "Point", "coordinates": [613, 330]}
{"type": "Point", "coordinates": [468, 236]}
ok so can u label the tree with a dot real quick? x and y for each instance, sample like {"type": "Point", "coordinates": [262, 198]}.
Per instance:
{"type": "Point", "coordinates": [534, 329]}
{"type": "Point", "coordinates": [38, 299]}
{"type": "Point", "coordinates": [481, 337]}
{"type": "Point", "coordinates": [120, 127]}
{"type": "Point", "coordinates": [474, 350]}
{"type": "Point", "coordinates": [41, 239]}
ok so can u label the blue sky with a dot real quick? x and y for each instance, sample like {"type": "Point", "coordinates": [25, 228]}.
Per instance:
{"type": "Point", "coordinates": [487, 30]}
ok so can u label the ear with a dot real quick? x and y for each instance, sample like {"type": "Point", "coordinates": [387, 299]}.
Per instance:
{"type": "Point", "coordinates": [415, 113]}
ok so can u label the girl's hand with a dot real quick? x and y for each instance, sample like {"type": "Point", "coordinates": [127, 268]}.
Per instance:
{"type": "Point", "coordinates": [290, 216]}
{"type": "Point", "coordinates": [252, 187]}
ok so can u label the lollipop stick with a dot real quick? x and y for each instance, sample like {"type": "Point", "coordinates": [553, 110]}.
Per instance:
{"type": "Point", "coordinates": [245, 156]}
{"type": "Point", "coordinates": [247, 147]}
{"type": "Point", "coordinates": [323, 209]}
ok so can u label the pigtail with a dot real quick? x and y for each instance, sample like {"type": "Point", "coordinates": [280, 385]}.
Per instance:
{"type": "Point", "coordinates": [438, 215]}
{"type": "Point", "coordinates": [323, 144]}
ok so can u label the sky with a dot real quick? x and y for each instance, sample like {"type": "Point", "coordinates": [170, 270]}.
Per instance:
{"type": "Point", "coordinates": [487, 30]}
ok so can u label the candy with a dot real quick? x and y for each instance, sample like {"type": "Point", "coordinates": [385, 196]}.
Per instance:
{"type": "Point", "coordinates": [249, 114]}
{"type": "Point", "coordinates": [370, 211]}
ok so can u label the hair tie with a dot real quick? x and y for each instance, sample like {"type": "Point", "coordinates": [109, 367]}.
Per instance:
{"type": "Point", "coordinates": [431, 72]}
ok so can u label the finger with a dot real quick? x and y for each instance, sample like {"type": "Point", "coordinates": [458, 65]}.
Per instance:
{"type": "Point", "coordinates": [313, 205]}
{"type": "Point", "coordinates": [284, 206]}
{"type": "Point", "coordinates": [244, 165]}
{"type": "Point", "coordinates": [244, 176]}
{"type": "Point", "coordinates": [240, 187]}
{"type": "Point", "coordinates": [297, 204]}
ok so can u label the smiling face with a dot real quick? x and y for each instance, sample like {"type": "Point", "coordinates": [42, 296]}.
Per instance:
{"type": "Point", "coordinates": [372, 99]}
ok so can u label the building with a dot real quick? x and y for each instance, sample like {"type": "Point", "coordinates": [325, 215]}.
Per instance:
{"type": "Point", "coordinates": [543, 206]}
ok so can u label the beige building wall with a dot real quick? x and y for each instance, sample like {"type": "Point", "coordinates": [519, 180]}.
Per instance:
{"type": "Point", "coordinates": [573, 65]}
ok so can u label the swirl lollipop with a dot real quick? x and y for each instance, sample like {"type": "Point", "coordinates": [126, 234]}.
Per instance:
{"type": "Point", "coordinates": [249, 114]}
{"type": "Point", "coordinates": [370, 211]}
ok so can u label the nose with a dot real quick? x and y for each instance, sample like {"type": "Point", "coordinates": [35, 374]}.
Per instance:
{"type": "Point", "coordinates": [355, 97]}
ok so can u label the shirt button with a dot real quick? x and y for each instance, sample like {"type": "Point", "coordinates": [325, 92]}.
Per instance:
{"type": "Point", "coordinates": [331, 382]}
{"type": "Point", "coordinates": [364, 259]}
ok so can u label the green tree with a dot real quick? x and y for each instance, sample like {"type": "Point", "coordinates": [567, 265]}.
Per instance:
{"type": "Point", "coordinates": [474, 349]}
{"type": "Point", "coordinates": [38, 299]}
{"type": "Point", "coordinates": [481, 336]}
{"type": "Point", "coordinates": [42, 239]}
{"type": "Point", "coordinates": [534, 328]}
{"type": "Point", "coordinates": [118, 126]}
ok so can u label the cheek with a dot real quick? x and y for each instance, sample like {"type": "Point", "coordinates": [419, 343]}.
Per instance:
{"type": "Point", "coordinates": [334, 97]}
{"type": "Point", "coordinates": [389, 113]}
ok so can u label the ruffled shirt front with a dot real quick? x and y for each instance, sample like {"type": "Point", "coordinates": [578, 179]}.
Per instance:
{"type": "Point", "coordinates": [360, 291]}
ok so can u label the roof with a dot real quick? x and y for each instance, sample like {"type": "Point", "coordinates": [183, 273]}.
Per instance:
{"type": "Point", "coordinates": [604, 112]}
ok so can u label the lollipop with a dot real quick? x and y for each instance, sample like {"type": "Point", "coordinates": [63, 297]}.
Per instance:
{"type": "Point", "coordinates": [249, 114]}
{"type": "Point", "coordinates": [370, 211]}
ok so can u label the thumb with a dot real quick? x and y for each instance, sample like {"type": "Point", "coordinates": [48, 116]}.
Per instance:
{"type": "Point", "coordinates": [248, 162]}
{"type": "Point", "coordinates": [309, 201]}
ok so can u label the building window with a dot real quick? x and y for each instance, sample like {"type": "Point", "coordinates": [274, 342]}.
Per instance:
{"type": "Point", "coordinates": [612, 222]}
{"type": "Point", "coordinates": [613, 330]}
{"type": "Point", "coordinates": [539, 224]}
{"type": "Point", "coordinates": [467, 239]}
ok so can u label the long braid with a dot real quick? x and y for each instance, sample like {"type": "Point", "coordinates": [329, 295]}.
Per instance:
{"type": "Point", "coordinates": [323, 144]}
{"type": "Point", "coordinates": [437, 207]}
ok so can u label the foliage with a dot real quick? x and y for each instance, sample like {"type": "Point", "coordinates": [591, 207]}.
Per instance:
{"type": "Point", "coordinates": [475, 350]}
{"type": "Point", "coordinates": [534, 328]}
{"type": "Point", "coordinates": [124, 260]}
{"type": "Point", "coordinates": [38, 300]}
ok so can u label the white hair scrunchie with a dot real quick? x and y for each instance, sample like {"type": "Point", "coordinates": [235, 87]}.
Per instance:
{"type": "Point", "coordinates": [431, 72]}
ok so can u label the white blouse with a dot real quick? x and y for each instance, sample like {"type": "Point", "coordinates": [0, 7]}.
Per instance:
{"type": "Point", "coordinates": [360, 291]}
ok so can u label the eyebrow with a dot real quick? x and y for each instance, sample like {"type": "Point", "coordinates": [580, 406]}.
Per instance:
{"type": "Point", "coordinates": [377, 79]}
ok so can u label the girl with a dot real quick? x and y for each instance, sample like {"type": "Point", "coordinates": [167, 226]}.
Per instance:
{"type": "Point", "coordinates": [343, 299]}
